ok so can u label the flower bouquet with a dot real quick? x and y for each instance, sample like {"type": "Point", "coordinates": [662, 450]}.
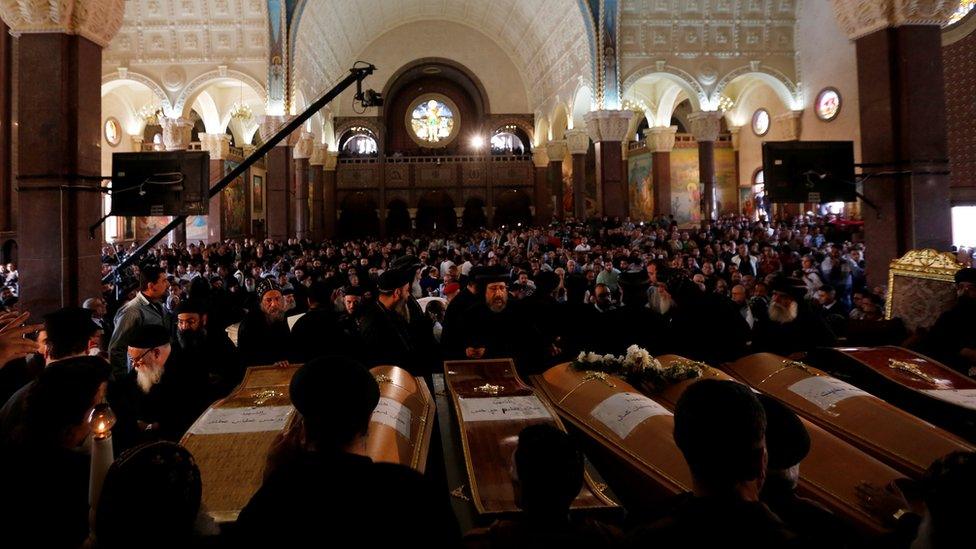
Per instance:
{"type": "Point", "coordinates": [638, 367]}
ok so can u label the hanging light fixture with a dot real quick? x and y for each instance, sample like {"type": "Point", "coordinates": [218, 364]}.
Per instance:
{"type": "Point", "coordinates": [241, 110]}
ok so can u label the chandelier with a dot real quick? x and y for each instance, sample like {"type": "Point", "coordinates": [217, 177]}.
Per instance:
{"type": "Point", "coordinates": [241, 111]}
{"type": "Point", "coordinates": [150, 114]}
{"type": "Point", "coordinates": [725, 104]}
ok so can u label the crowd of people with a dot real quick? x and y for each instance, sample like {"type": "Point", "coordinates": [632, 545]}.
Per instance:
{"type": "Point", "coordinates": [176, 331]}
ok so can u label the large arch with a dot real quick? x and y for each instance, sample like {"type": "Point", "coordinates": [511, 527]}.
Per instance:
{"type": "Point", "coordinates": [559, 121]}
{"type": "Point", "coordinates": [196, 86]}
{"type": "Point", "coordinates": [686, 82]}
{"type": "Point", "coordinates": [540, 38]}
{"type": "Point", "coordinates": [435, 212]}
{"type": "Point", "coordinates": [113, 80]}
{"type": "Point", "coordinates": [787, 91]}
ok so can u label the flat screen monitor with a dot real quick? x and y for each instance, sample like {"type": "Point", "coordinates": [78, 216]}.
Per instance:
{"type": "Point", "coordinates": [809, 171]}
{"type": "Point", "coordinates": [161, 183]}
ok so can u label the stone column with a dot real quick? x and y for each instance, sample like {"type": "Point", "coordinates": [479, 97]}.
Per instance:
{"type": "Point", "coordinates": [705, 127]}
{"type": "Point", "coordinates": [556, 151]}
{"type": "Point", "coordinates": [608, 129]}
{"type": "Point", "coordinates": [217, 145]}
{"type": "Point", "coordinates": [578, 143]}
{"type": "Point", "coordinates": [734, 131]}
{"type": "Point", "coordinates": [316, 177]}
{"type": "Point", "coordinates": [661, 142]}
{"type": "Point", "coordinates": [300, 206]}
{"type": "Point", "coordinates": [6, 135]}
{"type": "Point", "coordinates": [57, 91]}
{"type": "Point", "coordinates": [543, 203]}
{"type": "Point", "coordinates": [329, 195]}
{"type": "Point", "coordinates": [901, 96]}
{"type": "Point", "coordinates": [279, 168]}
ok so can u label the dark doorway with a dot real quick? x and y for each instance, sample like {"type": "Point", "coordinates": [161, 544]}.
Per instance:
{"type": "Point", "coordinates": [512, 208]}
{"type": "Point", "coordinates": [358, 217]}
{"type": "Point", "coordinates": [8, 254]}
{"type": "Point", "coordinates": [435, 212]}
{"type": "Point", "coordinates": [474, 216]}
{"type": "Point", "coordinates": [397, 218]}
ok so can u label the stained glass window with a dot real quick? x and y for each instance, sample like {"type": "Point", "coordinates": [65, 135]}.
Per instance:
{"type": "Point", "coordinates": [963, 10]}
{"type": "Point", "coordinates": [432, 121]}
{"type": "Point", "coordinates": [827, 104]}
{"type": "Point", "coordinates": [760, 122]}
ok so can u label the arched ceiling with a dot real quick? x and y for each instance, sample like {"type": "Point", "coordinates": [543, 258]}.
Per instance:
{"type": "Point", "coordinates": [546, 39]}
{"type": "Point", "coordinates": [190, 31]}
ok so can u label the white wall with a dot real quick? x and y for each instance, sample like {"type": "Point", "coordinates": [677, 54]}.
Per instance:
{"type": "Point", "coordinates": [460, 43]}
{"type": "Point", "coordinates": [750, 145]}
{"type": "Point", "coordinates": [825, 57]}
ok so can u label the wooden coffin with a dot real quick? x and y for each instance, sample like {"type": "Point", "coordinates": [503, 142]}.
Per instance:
{"type": "Point", "coordinates": [492, 406]}
{"type": "Point", "coordinates": [230, 441]}
{"type": "Point", "coordinates": [913, 382]}
{"type": "Point", "coordinates": [831, 471]}
{"type": "Point", "coordinates": [400, 428]}
{"type": "Point", "coordinates": [640, 459]}
{"type": "Point", "coordinates": [894, 436]}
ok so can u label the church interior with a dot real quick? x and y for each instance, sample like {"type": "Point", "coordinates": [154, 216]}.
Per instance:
{"type": "Point", "coordinates": [520, 273]}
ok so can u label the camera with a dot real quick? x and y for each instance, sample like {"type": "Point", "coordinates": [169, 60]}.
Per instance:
{"type": "Point", "coordinates": [370, 98]}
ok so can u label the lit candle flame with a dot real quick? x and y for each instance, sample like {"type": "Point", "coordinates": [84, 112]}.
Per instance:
{"type": "Point", "coordinates": [101, 427]}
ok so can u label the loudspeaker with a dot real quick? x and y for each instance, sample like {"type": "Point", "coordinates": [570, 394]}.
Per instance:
{"type": "Point", "coordinates": [809, 171]}
{"type": "Point", "coordinates": [161, 183]}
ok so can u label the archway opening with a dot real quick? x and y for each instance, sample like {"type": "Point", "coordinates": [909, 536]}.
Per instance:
{"type": "Point", "coordinates": [358, 217]}
{"type": "Point", "coordinates": [474, 216]}
{"type": "Point", "coordinates": [435, 212]}
{"type": "Point", "coordinates": [397, 218]}
{"type": "Point", "coordinates": [512, 208]}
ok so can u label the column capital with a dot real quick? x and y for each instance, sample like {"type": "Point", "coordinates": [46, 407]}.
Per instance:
{"type": "Point", "coordinates": [859, 18]}
{"type": "Point", "coordinates": [608, 125]}
{"type": "Point", "coordinates": [705, 125]}
{"type": "Point", "coordinates": [96, 20]}
{"type": "Point", "coordinates": [788, 125]}
{"type": "Point", "coordinates": [331, 161]}
{"type": "Point", "coordinates": [303, 146]}
{"type": "Point", "coordinates": [661, 139]}
{"type": "Point", "coordinates": [556, 150]}
{"type": "Point", "coordinates": [539, 157]}
{"type": "Point", "coordinates": [577, 141]}
{"type": "Point", "coordinates": [734, 130]}
{"type": "Point", "coordinates": [217, 144]}
{"type": "Point", "coordinates": [318, 155]}
{"type": "Point", "coordinates": [176, 133]}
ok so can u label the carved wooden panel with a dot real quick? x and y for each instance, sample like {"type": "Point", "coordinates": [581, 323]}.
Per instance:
{"type": "Point", "coordinates": [473, 174]}
{"type": "Point", "coordinates": [443, 175]}
{"type": "Point", "coordinates": [356, 177]}
{"type": "Point", "coordinates": [397, 176]}
{"type": "Point", "coordinates": [512, 173]}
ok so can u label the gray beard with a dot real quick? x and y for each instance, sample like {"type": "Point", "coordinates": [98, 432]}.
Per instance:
{"type": "Point", "coordinates": [276, 317]}
{"type": "Point", "coordinates": [146, 378]}
{"type": "Point", "coordinates": [783, 315]}
{"type": "Point", "coordinates": [660, 304]}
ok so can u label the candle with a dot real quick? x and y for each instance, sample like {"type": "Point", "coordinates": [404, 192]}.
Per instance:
{"type": "Point", "coordinates": [101, 421]}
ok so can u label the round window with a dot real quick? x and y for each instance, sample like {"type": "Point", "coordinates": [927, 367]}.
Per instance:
{"type": "Point", "coordinates": [828, 104]}
{"type": "Point", "coordinates": [113, 131]}
{"type": "Point", "coordinates": [433, 121]}
{"type": "Point", "coordinates": [760, 122]}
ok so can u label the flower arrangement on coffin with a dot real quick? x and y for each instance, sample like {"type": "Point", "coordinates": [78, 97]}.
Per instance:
{"type": "Point", "coordinates": [638, 366]}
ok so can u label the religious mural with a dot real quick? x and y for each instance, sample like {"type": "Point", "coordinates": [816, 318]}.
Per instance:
{"type": "Point", "coordinates": [747, 202]}
{"type": "Point", "coordinates": [257, 196]}
{"type": "Point", "coordinates": [725, 181]}
{"type": "Point", "coordinates": [640, 186]}
{"type": "Point", "coordinates": [685, 186]}
{"type": "Point", "coordinates": [146, 227]}
{"type": "Point", "coordinates": [567, 167]}
{"type": "Point", "coordinates": [234, 214]}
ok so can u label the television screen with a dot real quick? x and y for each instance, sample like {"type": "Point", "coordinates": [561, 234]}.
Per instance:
{"type": "Point", "coordinates": [161, 183]}
{"type": "Point", "coordinates": [809, 171]}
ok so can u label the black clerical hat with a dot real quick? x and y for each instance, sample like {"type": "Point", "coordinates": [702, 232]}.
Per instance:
{"type": "Point", "coordinates": [787, 440]}
{"type": "Point", "coordinates": [194, 306]}
{"type": "Point", "coordinates": [69, 320]}
{"type": "Point", "coordinates": [793, 287]}
{"type": "Point", "coordinates": [266, 285]}
{"type": "Point", "coordinates": [966, 274]}
{"type": "Point", "coordinates": [546, 281]}
{"type": "Point", "coordinates": [391, 279]}
{"type": "Point", "coordinates": [406, 263]}
{"type": "Point", "coordinates": [332, 390]}
{"type": "Point", "coordinates": [353, 290]}
{"type": "Point", "coordinates": [149, 336]}
{"type": "Point", "coordinates": [495, 273]}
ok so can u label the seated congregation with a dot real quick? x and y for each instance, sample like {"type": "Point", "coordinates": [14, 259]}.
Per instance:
{"type": "Point", "coordinates": [667, 323]}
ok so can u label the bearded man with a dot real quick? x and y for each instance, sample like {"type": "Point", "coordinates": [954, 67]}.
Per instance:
{"type": "Point", "coordinates": [952, 338]}
{"type": "Point", "coordinates": [495, 327]}
{"type": "Point", "coordinates": [791, 328]}
{"type": "Point", "coordinates": [263, 333]}
{"type": "Point", "coordinates": [385, 332]}
{"type": "Point", "coordinates": [209, 355]}
{"type": "Point", "coordinates": [158, 399]}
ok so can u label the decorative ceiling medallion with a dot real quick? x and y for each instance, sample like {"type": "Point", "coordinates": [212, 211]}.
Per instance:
{"type": "Point", "coordinates": [760, 122]}
{"type": "Point", "coordinates": [112, 131]}
{"type": "Point", "coordinates": [828, 103]}
{"type": "Point", "coordinates": [174, 78]}
{"type": "Point", "coordinates": [707, 74]}
{"type": "Point", "coordinates": [432, 120]}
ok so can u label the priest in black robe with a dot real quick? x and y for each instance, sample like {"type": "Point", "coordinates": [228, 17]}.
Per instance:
{"type": "Point", "coordinates": [263, 334]}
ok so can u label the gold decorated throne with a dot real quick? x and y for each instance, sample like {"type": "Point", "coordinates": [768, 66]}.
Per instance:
{"type": "Point", "coordinates": [921, 287]}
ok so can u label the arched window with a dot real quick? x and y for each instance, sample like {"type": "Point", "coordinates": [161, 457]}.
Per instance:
{"type": "Point", "coordinates": [758, 178]}
{"type": "Point", "coordinates": [643, 125]}
{"type": "Point", "coordinates": [506, 140]}
{"type": "Point", "coordinates": [358, 142]}
{"type": "Point", "coordinates": [963, 10]}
